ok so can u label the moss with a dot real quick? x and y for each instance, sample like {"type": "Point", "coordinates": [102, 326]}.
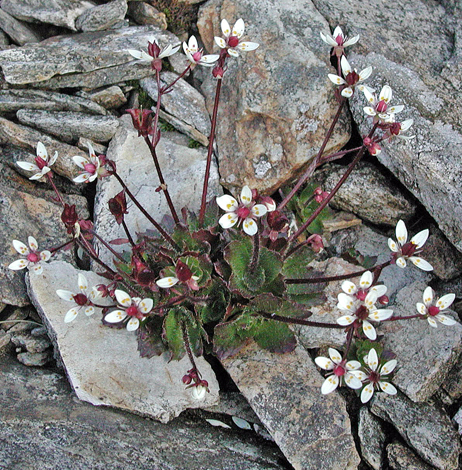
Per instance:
{"type": "Point", "coordinates": [180, 16]}
{"type": "Point", "coordinates": [194, 144]}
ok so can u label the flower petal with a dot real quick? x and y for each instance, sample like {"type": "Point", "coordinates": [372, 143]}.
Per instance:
{"type": "Point", "coordinates": [116, 316]}
{"type": "Point", "coordinates": [89, 311]}
{"type": "Point", "coordinates": [421, 263]}
{"type": "Point", "coordinates": [369, 330]}
{"type": "Point", "coordinates": [208, 60]}
{"type": "Point", "coordinates": [367, 393]}
{"type": "Point", "coordinates": [328, 39]}
{"type": "Point", "coordinates": [335, 79]}
{"type": "Point", "coordinates": [351, 41]}
{"type": "Point", "coordinates": [432, 322]}
{"type": "Point", "coordinates": [335, 355]}
{"type": "Point", "coordinates": [221, 43]}
{"type": "Point", "coordinates": [401, 262]}
{"type": "Point", "coordinates": [365, 74]}
{"type": "Point", "coordinates": [345, 302]}
{"type": "Point", "coordinates": [167, 282]}
{"type": "Point", "coordinates": [82, 178]}
{"type": "Point", "coordinates": [82, 281]}
{"type": "Point", "coordinates": [28, 166]}
{"type": "Point", "coordinates": [133, 324]}
{"type": "Point", "coordinates": [352, 381]}
{"type": "Point", "coordinates": [233, 53]}
{"type": "Point", "coordinates": [352, 365]}
{"type": "Point", "coordinates": [366, 280]}
{"type": "Point", "coordinates": [345, 320]}
{"type": "Point", "coordinates": [37, 269]}
{"type": "Point", "coordinates": [392, 245]}
{"type": "Point", "coordinates": [238, 28]}
{"type": "Point", "coordinates": [246, 195]}
{"type": "Point", "coordinates": [380, 290]}
{"type": "Point", "coordinates": [421, 308]}
{"type": "Point", "coordinates": [33, 245]}
{"type": "Point", "coordinates": [372, 359]}
{"type": "Point", "coordinates": [71, 314]}
{"type": "Point", "coordinates": [225, 28]}
{"type": "Point", "coordinates": [381, 314]}
{"type": "Point", "coordinates": [45, 255]}
{"type": "Point", "coordinates": [259, 210]}
{"type": "Point", "coordinates": [140, 55]}
{"type": "Point", "coordinates": [387, 387]}
{"type": "Point", "coordinates": [445, 301]}
{"type": "Point", "coordinates": [388, 367]}
{"type": "Point", "coordinates": [42, 151]}
{"type": "Point", "coordinates": [123, 298]}
{"type": "Point", "coordinates": [146, 305]}
{"type": "Point", "coordinates": [20, 247]}
{"type": "Point", "coordinates": [385, 94]}
{"type": "Point", "coordinates": [80, 161]}
{"type": "Point", "coordinates": [420, 238]}
{"type": "Point", "coordinates": [347, 92]}
{"type": "Point", "coordinates": [324, 363]}
{"type": "Point", "coordinates": [247, 46]}
{"type": "Point", "coordinates": [401, 232]}
{"type": "Point", "coordinates": [18, 264]}
{"type": "Point", "coordinates": [349, 287]}
{"type": "Point", "coordinates": [250, 226]}
{"type": "Point", "coordinates": [445, 320]}
{"type": "Point", "coordinates": [330, 384]}
{"type": "Point", "coordinates": [65, 295]}
{"type": "Point", "coordinates": [228, 220]}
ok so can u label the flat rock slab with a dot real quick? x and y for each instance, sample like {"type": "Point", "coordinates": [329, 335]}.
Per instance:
{"type": "Point", "coordinates": [102, 17]}
{"type": "Point", "coordinates": [57, 12]}
{"type": "Point", "coordinates": [103, 364]}
{"type": "Point", "coordinates": [276, 104]}
{"type": "Point", "coordinates": [427, 354]}
{"type": "Point", "coordinates": [69, 127]}
{"type": "Point", "coordinates": [424, 426]}
{"type": "Point", "coordinates": [312, 430]}
{"type": "Point", "coordinates": [44, 426]}
{"type": "Point", "coordinates": [183, 169]}
{"type": "Point", "coordinates": [70, 61]}
{"type": "Point", "coordinates": [372, 438]}
{"type": "Point", "coordinates": [402, 458]}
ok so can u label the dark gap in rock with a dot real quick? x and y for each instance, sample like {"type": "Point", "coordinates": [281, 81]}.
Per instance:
{"type": "Point", "coordinates": [225, 381]}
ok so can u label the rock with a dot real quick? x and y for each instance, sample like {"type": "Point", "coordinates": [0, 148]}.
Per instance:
{"type": "Point", "coordinates": [116, 375]}
{"type": "Point", "coordinates": [70, 126]}
{"type": "Point", "coordinates": [13, 100]}
{"type": "Point", "coordinates": [57, 12]}
{"type": "Point", "coordinates": [184, 103]}
{"type": "Point", "coordinates": [402, 458]}
{"type": "Point", "coordinates": [5, 343]}
{"type": "Point", "coordinates": [26, 137]}
{"type": "Point", "coordinates": [445, 259]}
{"type": "Point", "coordinates": [35, 359]}
{"type": "Point", "coordinates": [372, 438]}
{"type": "Point", "coordinates": [424, 426]}
{"type": "Point", "coordinates": [369, 243]}
{"type": "Point", "coordinates": [28, 215]}
{"type": "Point", "coordinates": [83, 144]}
{"type": "Point", "coordinates": [70, 61]}
{"type": "Point", "coordinates": [312, 430]}
{"type": "Point", "coordinates": [428, 354]}
{"type": "Point", "coordinates": [10, 320]}
{"type": "Point", "coordinates": [453, 383]}
{"type": "Point", "coordinates": [110, 98]}
{"type": "Point", "coordinates": [327, 312]}
{"type": "Point", "coordinates": [135, 166]}
{"type": "Point", "coordinates": [369, 195]}
{"type": "Point", "coordinates": [39, 413]}
{"type": "Point", "coordinates": [31, 343]}
{"type": "Point", "coordinates": [428, 165]}
{"type": "Point", "coordinates": [101, 17]}
{"type": "Point", "coordinates": [275, 106]}
{"type": "Point", "coordinates": [458, 420]}
{"type": "Point", "coordinates": [17, 31]}
{"type": "Point", "coordinates": [234, 404]}
{"type": "Point", "coordinates": [144, 13]}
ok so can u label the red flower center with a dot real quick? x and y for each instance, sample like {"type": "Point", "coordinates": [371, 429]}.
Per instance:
{"type": "Point", "coordinates": [233, 41]}
{"type": "Point", "coordinates": [197, 56]}
{"type": "Point", "coordinates": [433, 310]}
{"type": "Point", "coordinates": [90, 168]}
{"type": "Point", "coordinates": [374, 377]}
{"type": "Point", "coordinates": [243, 212]}
{"type": "Point", "coordinates": [33, 257]}
{"type": "Point", "coordinates": [339, 370]}
{"type": "Point", "coordinates": [80, 299]}
{"type": "Point", "coordinates": [408, 249]}
{"type": "Point", "coordinates": [361, 294]}
{"type": "Point", "coordinates": [339, 40]}
{"type": "Point", "coordinates": [352, 78]}
{"type": "Point", "coordinates": [41, 163]}
{"type": "Point", "coordinates": [362, 313]}
{"type": "Point", "coordinates": [132, 311]}
{"type": "Point", "coordinates": [381, 106]}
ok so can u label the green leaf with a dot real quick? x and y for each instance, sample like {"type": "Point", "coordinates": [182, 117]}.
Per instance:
{"type": "Point", "coordinates": [211, 217]}
{"type": "Point", "coordinates": [149, 336]}
{"type": "Point", "coordinates": [214, 309]}
{"type": "Point", "coordinates": [183, 238]}
{"type": "Point", "coordinates": [268, 303]}
{"type": "Point", "coordinates": [275, 337]}
{"type": "Point", "coordinates": [173, 334]}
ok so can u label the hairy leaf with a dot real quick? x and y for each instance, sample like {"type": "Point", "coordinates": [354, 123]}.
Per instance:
{"type": "Point", "coordinates": [149, 336]}
{"type": "Point", "coordinates": [275, 337]}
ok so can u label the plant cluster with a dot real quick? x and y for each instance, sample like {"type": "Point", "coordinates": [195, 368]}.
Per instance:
{"type": "Point", "coordinates": [236, 271]}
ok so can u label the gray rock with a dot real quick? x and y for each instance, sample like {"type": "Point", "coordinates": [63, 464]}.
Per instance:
{"type": "Point", "coordinates": [135, 166]}
{"type": "Point", "coordinates": [44, 426]}
{"type": "Point", "coordinates": [428, 354]}
{"type": "Point", "coordinates": [57, 12]}
{"type": "Point", "coordinates": [13, 100]}
{"type": "Point", "coordinates": [402, 458]}
{"type": "Point", "coordinates": [101, 17]}
{"type": "Point", "coordinates": [184, 103]}
{"type": "Point", "coordinates": [110, 98]}
{"type": "Point", "coordinates": [17, 31]}
{"type": "Point", "coordinates": [445, 259]}
{"type": "Point", "coordinates": [35, 359]}
{"type": "Point", "coordinates": [371, 438]}
{"type": "Point", "coordinates": [369, 195]}
{"type": "Point", "coordinates": [312, 430]}
{"type": "Point", "coordinates": [12, 319]}
{"type": "Point", "coordinates": [234, 404]}
{"type": "Point", "coordinates": [83, 144]}
{"type": "Point", "coordinates": [70, 126]}
{"type": "Point", "coordinates": [26, 137]}
{"type": "Point", "coordinates": [144, 13]}
{"type": "Point", "coordinates": [453, 383]}
{"type": "Point", "coordinates": [70, 61]}
{"type": "Point", "coordinates": [275, 106]}
{"type": "Point", "coordinates": [28, 215]}
{"type": "Point", "coordinates": [424, 426]}
{"type": "Point", "coordinates": [116, 375]}
{"type": "Point", "coordinates": [5, 343]}
{"type": "Point", "coordinates": [426, 80]}
{"type": "Point", "coordinates": [31, 343]}
{"type": "Point", "coordinates": [458, 420]}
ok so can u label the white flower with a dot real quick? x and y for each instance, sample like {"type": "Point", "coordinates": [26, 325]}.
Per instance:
{"type": "Point", "coordinates": [90, 165]}
{"type": "Point", "coordinates": [375, 376]}
{"type": "Point", "coordinates": [340, 371]}
{"type": "Point", "coordinates": [134, 308]}
{"type": "Point", "coordinates": [432, 307]}
{"type": "Point", "coordinates": [83, 300]}
{"type": "Point", "coordinates": [195, 55]}
{"type": "Point", "coordinates": [352, 78]}
{"type": "Point", "coordinates": [42, 164]}
{"type": "Point", "coordinates": [198, 392]}
{"type": "Point", "coordinates": [154, 51]}
{"type": "Point", "coordinates": [232, 41]}
{"type": "Point", "coordinates": [365, 284]}
{"type": "Point", "coordinates": [33, 257]}
{"type": "Point", "coordinates": [338, 41]}
{"type": "Point", "coordinates": [379, 108]}
{"type": "Point", "coordinates": [359, 312]}
{"type": "Point", "coordinates": [404, 250]}
{"type": "Point", "coordinates": [244, 212]}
